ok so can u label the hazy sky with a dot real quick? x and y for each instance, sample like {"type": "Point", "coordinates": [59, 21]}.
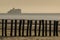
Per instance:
{"type": "Point", "coordinates": [29, 6]}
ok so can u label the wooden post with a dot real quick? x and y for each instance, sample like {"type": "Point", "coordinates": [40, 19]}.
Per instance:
{"type": "Point", "coordinates": [49, 27]}
{"type": "Point", "coordinates": [2, 27]}
{"type": "Point", "coordinates": [20, 26]}
{"type": "Point", "coordinates": [39, 28]}
{"type": "Point", "coordinates": [42, 27]}
{"type": "Point", "coordinates": [5, 27]}
{"type": "Point", "coordinates": [45, 27]}
{"type": "Point", "coordinates": [15, 28]}
{"type": "Point", "coordinates": [30, 27]}
{"type": "Point", "coordinates": [23, 28]}
{"type": "Point", "coordinates": [27, 27]}
{"type": "Point", "coordinates": [35, 26]}
{"type": "Point", "coordinates": [11, 33]}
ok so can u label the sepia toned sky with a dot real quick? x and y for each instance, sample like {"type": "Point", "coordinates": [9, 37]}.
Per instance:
{"type": "Point", "coordinates": [31, 6]}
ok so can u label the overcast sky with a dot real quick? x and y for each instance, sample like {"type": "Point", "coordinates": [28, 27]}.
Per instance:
{"type": "Point", "coordinates": [31, 6]}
